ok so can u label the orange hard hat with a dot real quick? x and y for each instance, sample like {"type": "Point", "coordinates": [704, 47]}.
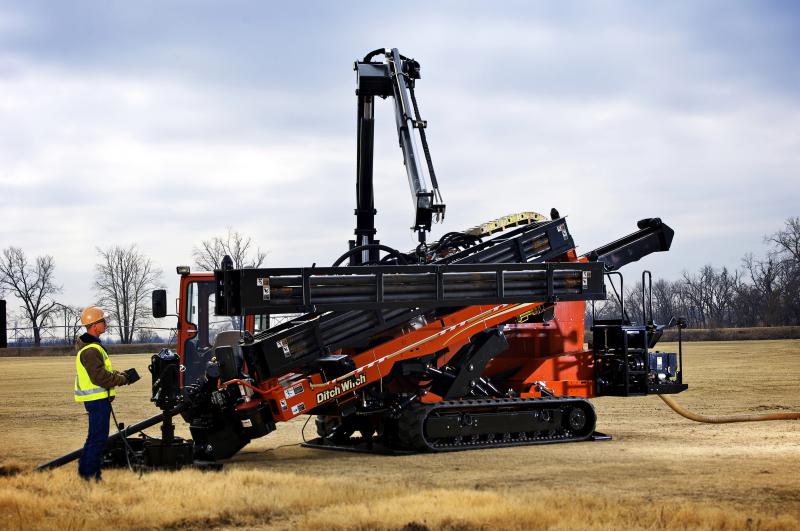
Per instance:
{"type": "Point", "coordinates": [91, 315]}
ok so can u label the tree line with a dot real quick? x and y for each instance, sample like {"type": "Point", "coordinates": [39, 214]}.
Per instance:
{"type": "Point", "coordinates": [124, 278]}
{"type": "Point", "coordinates": [764, 291]}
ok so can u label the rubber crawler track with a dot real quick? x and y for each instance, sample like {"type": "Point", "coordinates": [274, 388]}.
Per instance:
{"type": "Point", "coordinates": [461, 418]}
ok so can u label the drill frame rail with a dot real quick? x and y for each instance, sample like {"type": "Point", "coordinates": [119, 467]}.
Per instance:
{"type": "Point", "coordinates": [290, 290]}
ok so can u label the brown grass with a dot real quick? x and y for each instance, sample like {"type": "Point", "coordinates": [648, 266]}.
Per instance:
{"type": "Point", "coordinates": [261, 498]}
{"type": "Point", "coordinates": [10, 469]}
{"type": "Point", "coordinates": [659, 472]}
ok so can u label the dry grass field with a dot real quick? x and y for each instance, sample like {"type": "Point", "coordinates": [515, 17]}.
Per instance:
{"type": "Point", "coordinates": [660, 471]}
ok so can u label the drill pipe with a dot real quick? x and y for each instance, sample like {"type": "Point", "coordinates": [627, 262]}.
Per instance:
{"type": "Point", "coordinates": [130, 430]}
{"type": "Point", "coordinates": [293, 294]}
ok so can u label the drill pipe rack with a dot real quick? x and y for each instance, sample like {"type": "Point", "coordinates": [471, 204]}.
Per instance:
{"type": "Point", "coordinates": [292, 290]}
{"type": "Point", "coordinates": [242, 291]}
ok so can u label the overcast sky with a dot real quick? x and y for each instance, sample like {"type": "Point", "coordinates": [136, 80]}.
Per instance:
{"type": "Point", "coordinates": [163, 123]}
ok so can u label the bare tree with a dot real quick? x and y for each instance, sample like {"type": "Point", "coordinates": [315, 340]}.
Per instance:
{"type": "Point", "coordinates": [710, 295]}
{"type": "Point", "coordinates": [146, 335]}
{"type": "Point", "coordinates": [124, 279]}
{"type": "Point", "coordinates": [695, 293]}
{"type": "Point", "coordinates": [239, 247]}
{"type": "Point", "coordinates": [665, 301]}
{"type": "Point", "coordinates": [764, 277]}
{"type": "Point", "coordinates": [722, 293]}
{"type": "Point", "coordinates": [788, 239]}
{"type": "Point", "coordinates": [786, 247]}
{"type": "Point", "coordinates": [633, 302]}
{"type": "Point", "coordinates": [67, 318]}
{"type": "Point", "coordinates": [747, 309]}
{"type": "Point", "coordinates": [789, 281]}
{"type": "Point", "coordinates": [33, 284]}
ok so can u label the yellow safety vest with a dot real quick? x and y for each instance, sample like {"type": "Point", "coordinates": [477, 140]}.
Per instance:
{"type": "Point", "coordinates": [85, 389]}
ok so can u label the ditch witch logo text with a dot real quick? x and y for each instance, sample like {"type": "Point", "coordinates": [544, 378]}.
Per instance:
{"type": "Point", "coordinates": [343, 387]}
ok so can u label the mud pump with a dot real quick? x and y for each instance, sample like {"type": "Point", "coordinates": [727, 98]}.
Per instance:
{"type": "Point", "coordinates": [475, 340]}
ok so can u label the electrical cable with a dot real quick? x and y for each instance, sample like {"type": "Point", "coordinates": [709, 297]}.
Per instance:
{"type": "Point", "coordinates": [281, 446]}
{"type": "Point", "coordinates": [303, 429]}
{"type": "Point", "coordinates": [128, 449]}
{"type": "Point", "coordinates": [726, 419]}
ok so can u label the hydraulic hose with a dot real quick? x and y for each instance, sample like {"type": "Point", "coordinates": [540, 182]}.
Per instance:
{"type": "Point", "coordinates": [725, 419]}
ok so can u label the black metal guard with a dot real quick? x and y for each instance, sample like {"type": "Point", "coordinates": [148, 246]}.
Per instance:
{"type": "Point", "coordinates": [620, 298]}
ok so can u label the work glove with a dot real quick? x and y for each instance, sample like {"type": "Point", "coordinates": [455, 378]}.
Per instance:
{"type": "Point", "coordinates": [131, 375]}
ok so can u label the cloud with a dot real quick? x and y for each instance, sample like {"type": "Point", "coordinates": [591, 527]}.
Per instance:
{"type": "Point", "coordinates": [171, 122]}
{"type": "Point", "coordinates": [104, 160]}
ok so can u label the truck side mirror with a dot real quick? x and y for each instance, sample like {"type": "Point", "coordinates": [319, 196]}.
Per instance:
{"type": "Point", "coordinates": [159, 303]}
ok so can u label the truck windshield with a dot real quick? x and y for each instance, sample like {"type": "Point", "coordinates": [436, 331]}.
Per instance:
{"type": "Point", "coordinates": [200, 311]}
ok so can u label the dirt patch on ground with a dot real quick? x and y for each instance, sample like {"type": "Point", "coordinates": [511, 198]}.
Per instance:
{"type": "Point", "coordinates": [660, 471]}
{"type": "Point", "coordinates": [9, 469]}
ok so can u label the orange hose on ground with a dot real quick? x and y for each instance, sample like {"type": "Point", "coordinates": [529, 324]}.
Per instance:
{"type": "Point", "coordinates": [724, 419]}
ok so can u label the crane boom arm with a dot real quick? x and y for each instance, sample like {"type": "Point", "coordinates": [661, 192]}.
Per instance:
{"type": "Point", "coordinates": [395, 78]}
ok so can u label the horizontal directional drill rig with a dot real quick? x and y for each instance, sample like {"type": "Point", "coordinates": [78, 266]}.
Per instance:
{"type": "Point", "coordinates": [472, 341]}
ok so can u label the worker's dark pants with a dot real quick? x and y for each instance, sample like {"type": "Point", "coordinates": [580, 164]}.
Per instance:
{"type": "Point", "coordinates": [99, 413]}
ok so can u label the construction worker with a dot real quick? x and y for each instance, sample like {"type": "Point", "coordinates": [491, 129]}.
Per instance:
{"type": "Point", "coordinates": [95, 381]}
